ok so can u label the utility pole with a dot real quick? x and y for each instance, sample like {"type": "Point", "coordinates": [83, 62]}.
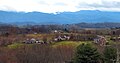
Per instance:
{"type": "Point", "coordinates": [117, 46]}
{"type": "Point", "coordinates": [118, 57]}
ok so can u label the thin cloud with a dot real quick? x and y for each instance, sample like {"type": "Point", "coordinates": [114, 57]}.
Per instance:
{"type": "Point", "coordinates": [104, 4]}
{"type": "Point", "coordinates": [53, 6]}
{"type": "Point", "coordinates": [60, 4]}
{"type": "Point", "coordinates": [7, 8]}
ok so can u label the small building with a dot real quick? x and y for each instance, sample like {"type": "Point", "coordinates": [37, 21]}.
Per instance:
{"type": "Point", "coordinates": [115, 32]}
{"type": "Point", "coordinates": [100, 40]}
{"type": "Point", "coordinates": [62, 38]}
{"type": "Point", "coordinates": [33, 41]}
{"type": "Point", "coordinates": [4, 32]}
{"type": "Point", "coordinates": [57, 31]}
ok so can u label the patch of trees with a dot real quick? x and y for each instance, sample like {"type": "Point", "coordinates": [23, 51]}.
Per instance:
{"type": "Point", "coordinates": [86, 53]}
{"type": "Point", "coordinates": [37, 54]}
{"type": "Point", "coordinates": [110, 54]}
{"type": "Point", "coordinates": [82, 37]}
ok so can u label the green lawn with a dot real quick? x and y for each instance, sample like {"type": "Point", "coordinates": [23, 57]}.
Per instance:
{"type": "Point", "coordinates": [70, 43]}
{"type": "Point", "coordinates": [55, 44]}
{"type": "Point", "coordinates": [15, 45]}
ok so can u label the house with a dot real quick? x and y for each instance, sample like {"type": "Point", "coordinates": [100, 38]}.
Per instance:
{"type": "Point", "coordinates": [115, 32]}
{"type": "Point", "coordinates": [100, 40]}
{"type": "Point", "coordinates": [57, 31]}
{"type": "Point", "coordinates": [62, 38]}
{"type": "Point", "coordinates": [117, 38]}
{"type": "Point", "coordinates": [33, 41]}
{"type": "Point", "coordinates": [4, 32]}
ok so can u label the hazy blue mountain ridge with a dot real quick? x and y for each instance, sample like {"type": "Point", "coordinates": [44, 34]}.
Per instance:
{"type": "Point", "coordinates": [88, 16]}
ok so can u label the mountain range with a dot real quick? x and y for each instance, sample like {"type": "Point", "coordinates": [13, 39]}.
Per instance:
{"type": "Point", "coordinates": [88, 16]}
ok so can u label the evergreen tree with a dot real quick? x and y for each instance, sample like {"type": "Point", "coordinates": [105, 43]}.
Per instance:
{"type": "Point", "coordinates": [110, 54]}
{"type": "Point", "coordinates": [85, 53]}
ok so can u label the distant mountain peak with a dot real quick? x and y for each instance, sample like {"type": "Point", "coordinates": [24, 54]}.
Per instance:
{"type": "Point", "coordinates": [89, 16]}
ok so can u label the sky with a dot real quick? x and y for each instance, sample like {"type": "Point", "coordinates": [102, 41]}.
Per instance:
{"type": "Point", "coordinates": [53, 6]}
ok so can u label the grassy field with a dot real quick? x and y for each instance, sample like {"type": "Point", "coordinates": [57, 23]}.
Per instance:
{"type": "Point", "coordinates": [70, 43]}
{"type": "Point", "coordinates": [17, 45]}
{"type": "Point", "coordinates": [55, 44]}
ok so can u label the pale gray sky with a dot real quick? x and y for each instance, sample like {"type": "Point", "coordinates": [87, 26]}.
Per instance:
{"type": "Point", "coordinates": [52, 6]}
